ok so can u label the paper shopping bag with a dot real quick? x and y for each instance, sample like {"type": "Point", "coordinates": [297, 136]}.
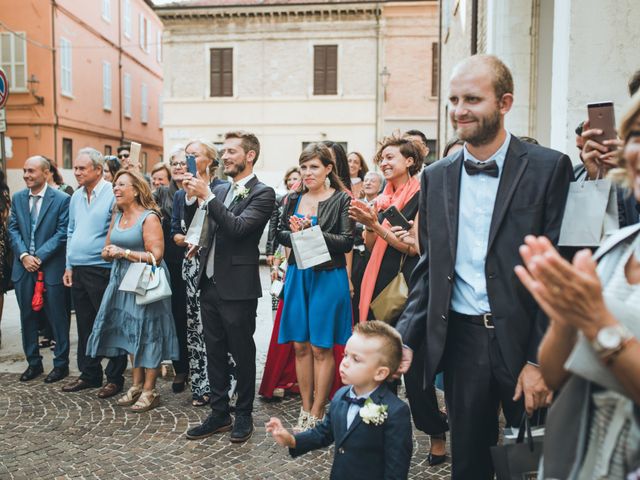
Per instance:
{"type": "Point", "coordinates": [590, 213]}
{"type": "Point", "coordinates": [136, 279]}
{"type": "Point", "coordinates": [310, 248]}
{"type": "Point", "coordinates": [197, 233]}
{"type": "Point", "coordinates": [519, 460]}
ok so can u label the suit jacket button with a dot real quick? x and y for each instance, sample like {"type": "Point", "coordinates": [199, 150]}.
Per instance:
{"type": "Point", "coordinates": [450, 278]}
{"type": "Point", "coordinates": [341, 450]}
{"type": "Point", "coordinates": [444, 317]}
{"type": "Point", "coordinates": [492, 276]}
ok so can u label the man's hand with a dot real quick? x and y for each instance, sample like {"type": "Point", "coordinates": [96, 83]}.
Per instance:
{"type": "Point", "coordinates": [280, 434]}
{"type": "Point", "coordinates": [195, 187]}
{"type": "Point", "coordinates": [31, 263]}
{"type": "Point", "coordinates": [532, 386]}
{"type": "Point", "coordinates": [405, 363]}
{"type": "Point", "coordinates": [67, 278]}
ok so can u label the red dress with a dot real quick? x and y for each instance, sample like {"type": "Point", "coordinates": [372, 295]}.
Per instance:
{"type": "Point", "coordinates": [280, 367]}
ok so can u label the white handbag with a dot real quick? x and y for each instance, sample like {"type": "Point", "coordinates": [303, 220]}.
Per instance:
{"type": "Point", "coordinates": [158, 287]}
{"type": "Point", "coordinates": [137, 278]}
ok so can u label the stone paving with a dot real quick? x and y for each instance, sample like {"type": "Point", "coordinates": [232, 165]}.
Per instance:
{"type": "Point", "coordinates": [48, 434]}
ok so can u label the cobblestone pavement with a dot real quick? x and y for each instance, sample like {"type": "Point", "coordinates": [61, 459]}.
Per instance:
{"type": "Point", "coordinates": [47, 434]}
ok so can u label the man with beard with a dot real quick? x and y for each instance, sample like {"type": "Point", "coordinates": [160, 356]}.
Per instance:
{"type": "Point", "coordinates": [481, 327]}
{"type": "Point", "coordinates": [230, 282]}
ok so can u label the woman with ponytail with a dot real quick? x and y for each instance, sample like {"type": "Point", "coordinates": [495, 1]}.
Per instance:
{"type": "Point", "coordinates": [317, 304]}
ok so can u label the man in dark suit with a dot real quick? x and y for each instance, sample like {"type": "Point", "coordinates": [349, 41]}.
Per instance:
{"type": "Point", "coordinates": [230, 281]}
{"type": "Point", "coordinates": [481, 326]}
{"type": "Point", "coordinates": [38, 233]}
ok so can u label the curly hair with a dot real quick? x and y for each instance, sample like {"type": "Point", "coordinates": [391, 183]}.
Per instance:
{"type": "Point", "coordinates": [407, 148]}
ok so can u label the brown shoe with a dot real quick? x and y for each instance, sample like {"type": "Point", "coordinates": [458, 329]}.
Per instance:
{"type": "Point", "coordinates": [109, 390]}
{"type": "Point", "coordinates": [78, 385]}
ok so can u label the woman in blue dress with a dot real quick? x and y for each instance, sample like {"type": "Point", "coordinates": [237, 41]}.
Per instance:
{"type": "Point", "coordinates": [317, 304]}
{"type": "Point", "coordinates": [146, 332]}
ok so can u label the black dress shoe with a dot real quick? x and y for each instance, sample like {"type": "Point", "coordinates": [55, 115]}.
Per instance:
{"type": "Point", "coordinates": [434, 459]}
{"type": "Point", "coordinates": [215, 423]}
{"type": "Point", "coordinates": [242, 429]}
{"type": "Point", "coordinates": [78, 385]}
{"type": "Point", "coordinates": [57, 374]}
{"type": "Point", "coordinates": [31, 373]}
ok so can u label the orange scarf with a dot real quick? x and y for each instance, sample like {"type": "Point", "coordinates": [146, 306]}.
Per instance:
{"type": "Point", "coordinates": [399, 198]}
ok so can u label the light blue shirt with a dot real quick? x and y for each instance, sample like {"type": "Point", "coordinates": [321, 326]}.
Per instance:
{"type": "Point", "coordinates": [477, 199]}
{"type": "Point", "coordinates": [353, 408]}
{"type": "Point", "coordinates": [89, 220]}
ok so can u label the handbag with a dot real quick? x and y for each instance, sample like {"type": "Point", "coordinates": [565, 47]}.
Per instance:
{"type": "Point", "coordinates": [519, 460]}
{"type": "Point", "coordinates": [137, 278]}
{"type": "Point", "coordinates": [591, 212]}
{"type": "Point", "coordinates": [390, 302]}
{"type": "Point", "coordinates": [197, 232]}
{"type": "Point", "coordinates": [310, 248]}
{"type": "Point", "coordinates": [158, 287]}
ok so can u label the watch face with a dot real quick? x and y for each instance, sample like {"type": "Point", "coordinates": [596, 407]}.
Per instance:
{"type": "Point", "coordinates": [609, 337]}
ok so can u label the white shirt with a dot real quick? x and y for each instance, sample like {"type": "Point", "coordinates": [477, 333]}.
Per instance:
{"type": "Point", "coordinates": [353, 408]}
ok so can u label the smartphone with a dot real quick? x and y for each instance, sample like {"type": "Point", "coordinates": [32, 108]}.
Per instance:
{"type": "Point", "coordinates": [191, 165]}
{"type": "Point", "coordinates": [395, 218]}
{"type": "Point", "coordinates": [602, 116]}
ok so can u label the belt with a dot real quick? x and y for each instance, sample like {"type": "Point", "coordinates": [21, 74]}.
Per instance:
{"type": "Point", "coordinates": [484, 320]}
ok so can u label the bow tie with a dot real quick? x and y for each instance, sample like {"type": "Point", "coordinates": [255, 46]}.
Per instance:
{"type": "Point", "coordinates": [490, 168]}
{"type": "Point", "coordinates": [354, 401]}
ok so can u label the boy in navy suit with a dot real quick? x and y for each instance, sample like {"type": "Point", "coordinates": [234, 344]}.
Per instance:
{"type": "Point", "coordinates": [370, 426]}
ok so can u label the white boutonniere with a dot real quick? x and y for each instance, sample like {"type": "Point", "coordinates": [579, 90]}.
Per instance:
{"type": "Point", "coordinates": [373, 413]}
{"type": "Point", "coordinates": [241, 192]}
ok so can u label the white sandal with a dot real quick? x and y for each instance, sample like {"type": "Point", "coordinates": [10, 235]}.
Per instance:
{"type": "Point", "coordinates": [148, 400]}
{"type": "Point", "coordinates": [130, 397]}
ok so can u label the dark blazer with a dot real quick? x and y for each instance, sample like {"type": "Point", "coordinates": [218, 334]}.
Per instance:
{"type": "Point", "coordinates": [530, 200]}
{"type": "Point", "coordinates": [237, 231]}
{"type": "Point", "coordinates": [364, 451]}
{"type": "Point", "coordinates": [333, 219]}
{"type": "Point", "coordinates": [50, 235]}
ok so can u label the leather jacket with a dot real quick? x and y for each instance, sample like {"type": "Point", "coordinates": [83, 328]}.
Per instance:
{"type": "Point", "coordinates": [274, 221]}
{"type": "Point", "coordinates": [333, 219]}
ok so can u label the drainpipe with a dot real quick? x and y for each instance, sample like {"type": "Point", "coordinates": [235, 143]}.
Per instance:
{"type": "Point", "coordinates": [378, 96]}
{"type": "Point", "coordinates": [120, 92]}
{"type": "Point", "coordinates": [55, 82]}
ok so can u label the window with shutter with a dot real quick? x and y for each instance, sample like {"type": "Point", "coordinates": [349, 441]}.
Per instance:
{"type": "Point", "coordinates": [435, 67]}
{"type": "Point", "coordinates": [325, 69]}
{"type": "Point", "coordinates": [221, 67]}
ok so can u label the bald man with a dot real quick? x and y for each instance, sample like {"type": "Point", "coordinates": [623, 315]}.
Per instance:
{"type": "Point", "coordinates": [38, 234]}
{"type": "Point", "coordinates": [481, 326]}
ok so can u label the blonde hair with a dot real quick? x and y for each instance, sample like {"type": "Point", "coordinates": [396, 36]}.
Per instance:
{"type": "Point", "coordinates": [210, 150]}
{"type": "Point", "coordinates": [161, 166]}
{"type": "Point", "coordinates": [391, 351]}
{"type": "Point", "coordinates": [625, 132]}
{"type": "Point", "coordinates": [140, 185]}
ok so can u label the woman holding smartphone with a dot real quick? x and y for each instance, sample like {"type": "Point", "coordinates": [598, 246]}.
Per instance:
{"type": "Point", "coordinates": [400, 161]}
{"type": "Point", "coordinates": [317, 306]}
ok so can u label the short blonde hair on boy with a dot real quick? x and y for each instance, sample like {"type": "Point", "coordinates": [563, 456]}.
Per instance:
{"type": "Point", "coordinates": [391, 351]}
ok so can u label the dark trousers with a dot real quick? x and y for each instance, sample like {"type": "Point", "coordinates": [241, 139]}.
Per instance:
{"type": "Point", "coordinates": [179, 311]}
{"type": "Point", "coordinates": [55, 309]}
{"type": "Point", "coordinates": [476, 382]}
{"type": "Point", "coordinates": [89, 284]}
{"type": "Point", "coordinates": [423, 401]}
{"type": "Point", "coordinates": [228, 327]}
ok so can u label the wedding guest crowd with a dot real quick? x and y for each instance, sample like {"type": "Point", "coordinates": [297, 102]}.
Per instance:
{"type": "Point", "coordinates": [447, 274]}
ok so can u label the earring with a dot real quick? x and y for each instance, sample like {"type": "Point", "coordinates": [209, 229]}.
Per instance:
{"type": "Point", "coordinates": [327, 182]}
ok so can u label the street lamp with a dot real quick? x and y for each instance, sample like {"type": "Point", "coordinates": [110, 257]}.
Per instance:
{"type": "Point", "coordinates": [385, 75]}
{"type": "Point", "coordinates": [34, 83]}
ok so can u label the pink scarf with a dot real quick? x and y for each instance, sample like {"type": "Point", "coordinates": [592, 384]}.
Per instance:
{"type": "Point", "coordinates": [399, 198]}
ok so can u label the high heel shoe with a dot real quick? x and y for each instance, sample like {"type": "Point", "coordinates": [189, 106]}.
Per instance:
{"type": "Point", "coordinates": [178, 387]}
{"type": "Point", "coordinates": [303, 420]}
{"type": "Point", "coordinates": [433, 459]}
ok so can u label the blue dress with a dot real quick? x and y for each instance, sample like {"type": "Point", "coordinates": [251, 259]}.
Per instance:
{"type": "Point", "coordinates": [317, 305]}
{"type": "Point", "coordinates": [122, 326]}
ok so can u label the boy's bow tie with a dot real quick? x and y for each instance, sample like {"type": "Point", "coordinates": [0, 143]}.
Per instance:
{"type": "Point", "coordinates": [355, 401]}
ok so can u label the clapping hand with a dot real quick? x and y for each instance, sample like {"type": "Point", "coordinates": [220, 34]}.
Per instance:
{"type": "Point", "coordinates": [298, 224]}
{"type": "Point", "coordinates": [363, 213]}
{"type": "Point", "coordinates": [281, 435]}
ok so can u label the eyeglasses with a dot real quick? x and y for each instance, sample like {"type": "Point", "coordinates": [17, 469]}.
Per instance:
{"type": "Point", "coordinates": [123, 155]}
{"type": "Point", "coordinates": [178, 164]}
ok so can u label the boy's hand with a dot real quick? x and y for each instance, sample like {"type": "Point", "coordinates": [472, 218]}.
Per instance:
{"type": "Point", "coordinates": [280, 434]}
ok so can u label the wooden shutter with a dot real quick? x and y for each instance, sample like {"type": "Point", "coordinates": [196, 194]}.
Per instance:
{"type": "Point", "coordinates": [325, 70]}
{"type": "Point", "coordinates": [221, 72]}
{"type": "Point", "coordinates": [435, 68]}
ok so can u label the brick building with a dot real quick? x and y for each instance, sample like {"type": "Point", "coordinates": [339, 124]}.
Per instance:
{"type": "Point", "coordinates": [81, 74]}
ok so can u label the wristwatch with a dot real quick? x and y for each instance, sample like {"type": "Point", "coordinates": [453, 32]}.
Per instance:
{"type": "Point", "coordinates": [610, 341]}
{"type": "Point", "coordinates": [127, 252]}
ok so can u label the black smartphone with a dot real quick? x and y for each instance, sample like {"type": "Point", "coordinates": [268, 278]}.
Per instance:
{"type": "Point", "coordinates": [395, 218]}
{"type": "Point", "coordinates": [191, 165]}
{"type": "Point", "coordinates": [602, 116]}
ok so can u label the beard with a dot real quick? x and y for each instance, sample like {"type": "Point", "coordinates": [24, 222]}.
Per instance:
{"type": "Point", "coordinates": [485, 131]}
{"type": "Point", "coordinates": [235, 169]}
